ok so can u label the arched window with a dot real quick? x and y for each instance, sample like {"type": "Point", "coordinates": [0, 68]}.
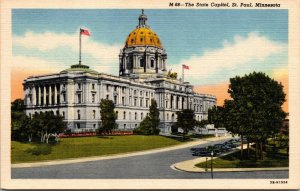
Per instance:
{"type": "Point", "coordinates": [135, 116]}
{"type": "Point", "coordinates": [167, 117]}
{"type": "Point", "coordinates": [141, 62]}
{"type": "Point", "coordinates": [152, 63]}
{"type": "Point", "coordinates": [78, 114]}
{"type": "Point", "coordinates": [94, 114]}
{"type": "Point", "coordinates": [117, 113]}
{"type": "Point", "coordinates": [124, 115]}
{"type": "Point", "coordinates": [142, 116]}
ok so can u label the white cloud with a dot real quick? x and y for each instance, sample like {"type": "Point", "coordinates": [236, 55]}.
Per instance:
{"type": "Point", "coordinates": [239, 54]}
{"type": "Point", "coordinates": [34, 64]}
{"type": "Point", "coordinates": [106, 55]}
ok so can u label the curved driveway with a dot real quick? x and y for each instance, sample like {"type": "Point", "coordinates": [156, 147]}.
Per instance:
{"type": "Point", "coordinates": [148, 166]}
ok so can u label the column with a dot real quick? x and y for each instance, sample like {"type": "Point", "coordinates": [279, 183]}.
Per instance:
{"type": "Point", "coordinates": [50, 95]}
{"type": "Point", "coordinates": [44, 98]}
{"type": "Point", "coordinates": [39, 95]}
{"type": "Point", "coordinates": [176, 105]}
{"type": "Point", "coordinates": [33, 96]}
{"type": "Point", "coordinates": [125, 63]}
{"type": "Point", "coordinates": [55, 95]}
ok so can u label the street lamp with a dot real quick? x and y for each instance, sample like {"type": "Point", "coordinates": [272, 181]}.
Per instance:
{"type": "Point", "coordinates": [211, 164]}
{"type": "Point", "coordinates": [206, 160]}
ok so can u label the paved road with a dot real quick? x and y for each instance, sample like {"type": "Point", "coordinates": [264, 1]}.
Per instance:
{"type": "Point", "coordinates": [150, 166]}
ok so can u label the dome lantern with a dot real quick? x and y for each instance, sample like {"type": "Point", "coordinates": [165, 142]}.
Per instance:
{"type": "Point", "coordinates": [142, 20]}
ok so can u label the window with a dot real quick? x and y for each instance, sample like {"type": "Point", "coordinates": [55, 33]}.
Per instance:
{"type": "Point", "coordinates": [123, 101]}
{"type": "Point", "coordinates": [78, 114]}
{"type": "Point", "coordinates": [141, 93]}
{"type": "Point", "coordinates": [78, 125]}
{"type": "Point", "coordinates": [93, 98]}
{"type": "Point", "coordinates": [94, 114]}
{"type": "Point", "coordinates": [135, 116]}
{"type": "Point", "coordinates": [115, 88]}
{"type": "Point", "coordinates": [115, 99]}
{"type": "Point", "coordinates": [129, 115]}
{"type": "Point", "coordinates": [117, 114]}
{"type": "Point", "coordinates": [141, 39]}
{"type": "Point", "coordinates": [135, 102]}
{"type": "Point", "coordinates": [124, 115]}
{"type": "Point", "coordinates": [57, 112]}
{"type": "Point", "coordinates": [141, 62]}
{"type": "Point", "coordinates": [146, 93]}
{"type": "Point", "coordinates": [63, 113]}
{"type": "Point", "coordinates": [94, 126]}
{"type": "Point", "coordinates": [147, 103]}
{"type": "Point", "coordinates": [79, 86]}
{"type": "Point", "coordinates": [78, 98]}
{"type": "Point", "coordinates": [167, 117]}
{"type": "Point", "coordinates": [134, 92]}
{"type": "Point", "coordinates": [141, 102]}
{"type": "Point", "coordinates": [93, 86]}
{"type": "Point", "coordinates": [130, 101]}
{"type": "Point", "coordinates": [167, 104]}
{"type": "Point", "coordinates": [107, 88]}
{"type": "Point", "coordinates": [142, 116]}
{"type": "Point", "coordinates": [124, 126]}
{"type": "Point", "coordinates": [107, 96]}
{"type": "Point", "coordinates": [64, 97]}
{"type": "Point", "coordinates": [152, 64]}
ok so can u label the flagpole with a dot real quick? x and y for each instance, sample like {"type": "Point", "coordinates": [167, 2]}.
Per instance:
{"type": "Point", "coordinates": [182, 73]}
{"type": "Point", "coordinates": [79, 46]}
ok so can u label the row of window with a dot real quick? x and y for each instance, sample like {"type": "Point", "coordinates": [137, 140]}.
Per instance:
{"type": "Point", "coordinates": [57, 113]}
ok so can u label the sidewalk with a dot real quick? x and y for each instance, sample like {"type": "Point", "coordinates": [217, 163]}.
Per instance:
{"type": "Point", "coordinates": [115, 156]}
{"type": "Point", "coordinates": [189, 165]}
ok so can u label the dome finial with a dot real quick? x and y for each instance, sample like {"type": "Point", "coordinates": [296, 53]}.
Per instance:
{"type": "Point", "coordinates": [142, 20]}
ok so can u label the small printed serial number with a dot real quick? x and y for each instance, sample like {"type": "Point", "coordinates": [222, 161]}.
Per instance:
{"type": "Point", "coordinates": [279, 182]}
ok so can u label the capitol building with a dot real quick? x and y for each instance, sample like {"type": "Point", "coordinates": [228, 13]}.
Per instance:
{"type": "Point", "coordinates": [76, 92]}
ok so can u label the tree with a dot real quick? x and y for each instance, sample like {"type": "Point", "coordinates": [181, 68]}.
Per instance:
{"type": "Point", "coordinates": [149, 125]}
{"type": "Point", "coordinates": [47, 124]}
{"type": "Point", "coordinates": [154, 115]}
{"type": "Point", "coordinates": [201, 124]}
{"type": "Point", "coordinates": [108, 115]}
{"type": "Point", "coordinates": [185, 120]}
{"type": "Point", "coordinates": [255, 108]}
{"type": "Point", "coordinates": [215, 116]}
{"type": "Point", "coordinates": [19, 120]}
{"type": "Point", "coordinates": [145, 127]}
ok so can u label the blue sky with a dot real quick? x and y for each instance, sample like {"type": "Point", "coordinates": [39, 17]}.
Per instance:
{"type": "Point", "coordinates": [217, 44]}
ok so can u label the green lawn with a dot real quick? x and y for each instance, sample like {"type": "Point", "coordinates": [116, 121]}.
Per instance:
{"type": "Point", "coordinates": [87, 146]}
{"type": "Point", "coordinates": [279, 159]}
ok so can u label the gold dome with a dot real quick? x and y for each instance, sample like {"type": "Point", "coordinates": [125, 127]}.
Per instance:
{"type": "Point", "coordinates": [143, 36]}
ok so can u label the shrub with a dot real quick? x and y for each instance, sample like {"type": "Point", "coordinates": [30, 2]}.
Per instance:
{"type": "Point", "coordinates": [41, 149]}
